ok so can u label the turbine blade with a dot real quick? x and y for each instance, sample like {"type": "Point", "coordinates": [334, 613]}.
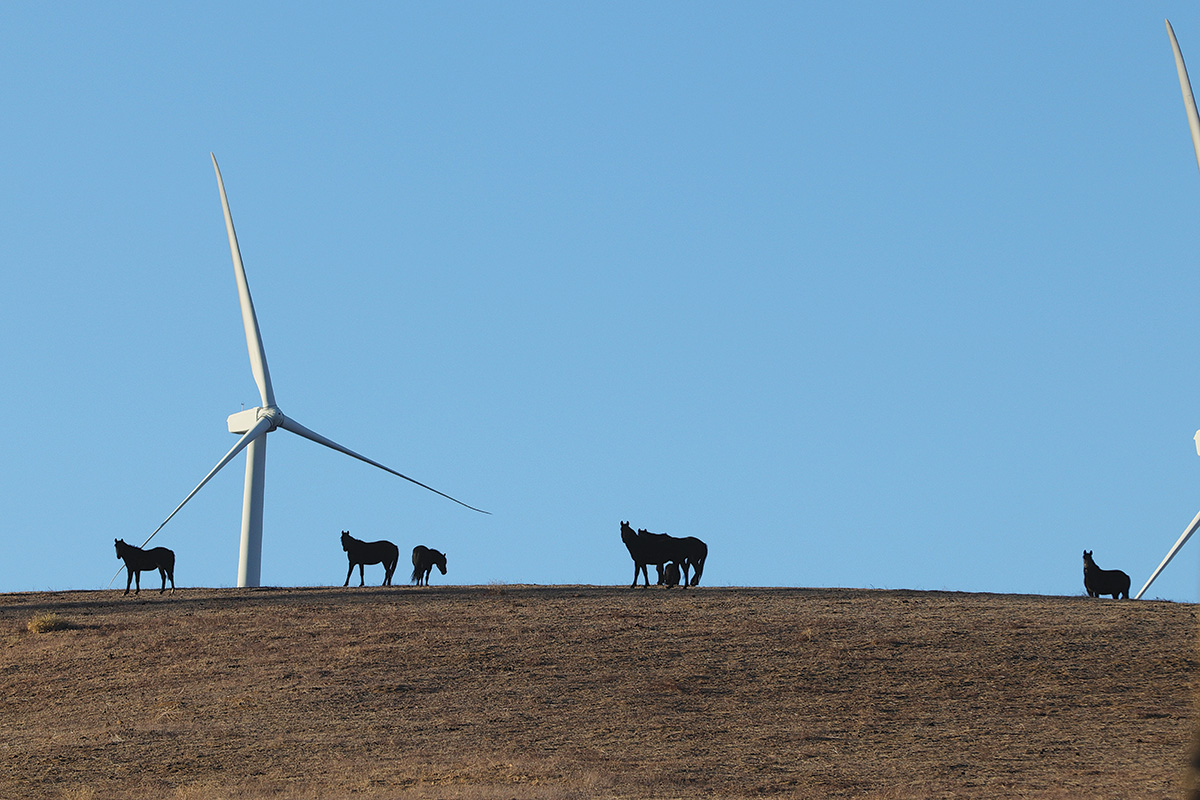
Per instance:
{"type": "Point", "coordinates": [1189, 101]}
{"type": "Point", "coordinates": [258, 356]}
{"type": "Point", "coordinates": [298, 429]}
{"type": "Point", "coordinates": [1180, 542]}
{"type": "Point", "coordinates": [260, 428]}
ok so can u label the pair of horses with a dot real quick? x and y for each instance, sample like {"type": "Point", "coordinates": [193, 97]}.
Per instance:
{"type": "Point", "coordinates": [1103, 581]}
{"type": "Point", "coordinates": [138, 560]}
{"type": "Point", "coordinates": [361, 553]}
{"type": "Point", "coordinates": [663, 551]}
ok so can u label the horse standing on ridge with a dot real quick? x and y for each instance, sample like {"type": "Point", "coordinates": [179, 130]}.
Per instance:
{"type": "Point", "coordinates": [660, 549]}
{"type": "Point", "coordinates": [136, 560]}
{"type": "Point", "coordinates": [1103, 581]}
{"type": "Point", "coordinates": [361, 553]}
{"type": "Point", "coordinates": [424, 560]}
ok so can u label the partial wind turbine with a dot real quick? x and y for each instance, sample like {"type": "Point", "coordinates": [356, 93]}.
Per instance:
{"type": "Point", "coordinates": [255, 423]}
{"type": "Point", "coordinates": [1189, 104]}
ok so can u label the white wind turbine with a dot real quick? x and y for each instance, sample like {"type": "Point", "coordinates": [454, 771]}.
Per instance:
{"type": "Point", "coordinates": [1189, 104]}
{"type": "Point", "coordinates": [255, 423]}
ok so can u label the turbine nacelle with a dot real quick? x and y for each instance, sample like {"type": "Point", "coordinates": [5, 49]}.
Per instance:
{"type": "Point", "coordinates": [243, 421]}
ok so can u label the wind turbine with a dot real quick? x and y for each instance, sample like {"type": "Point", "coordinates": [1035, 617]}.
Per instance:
{"type": "Point", "coordinates": [255, 423]}
{"type": "Point", "coordinates": [1189, 104]}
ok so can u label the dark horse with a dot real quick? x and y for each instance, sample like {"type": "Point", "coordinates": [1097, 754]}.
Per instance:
{"type": "Point", "coordinates": [361, 553]}
{"type": "Point", "coordinates": [424, 560]}
{"type": "Point", "coordinates": [1103, 581]}
{"type": "Point", "coordinates": [660, 549]}
{"type": "Point", "coordinates": [136, 559]}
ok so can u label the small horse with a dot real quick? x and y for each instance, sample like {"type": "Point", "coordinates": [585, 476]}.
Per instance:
{"type": "Point", "coordinates": [362, 553]}
{"type": "Point", "coordinates": [424, 560]}
{"type": "Point", "coordinates": [671, 575]}
{"type": "Point", "coordinates": [136, 560]}
{"type": "Point", "coordinates": [660, 549]}
{"type": "Point", "coordinates": [1103, 581]}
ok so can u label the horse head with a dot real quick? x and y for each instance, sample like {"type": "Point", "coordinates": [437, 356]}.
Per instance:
{"type": "Point", "coordinates": [627, 534]}
{"type": "Point", "coordinates": [120, 545]}
{"type": "Point", "coordinates": [346, 539]}
{"type": "Point", "coordinates": [441, 561]}
{"type": "Point", "coordinates": [1087, 559]}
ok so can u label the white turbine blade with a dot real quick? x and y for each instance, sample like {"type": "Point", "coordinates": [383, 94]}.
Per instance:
{"type": "Point", "coordinates": [260, 427]}
{"type": "Point", "coordinates": [296, 428]}
{"type": "Point", "coordinates": [1189, 101]}
{"type": "Point", "coordinates": [258, 356]}
{"type": "Point", "coordinates": [1178, 544]}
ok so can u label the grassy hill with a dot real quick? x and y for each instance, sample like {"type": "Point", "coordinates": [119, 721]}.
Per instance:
{"type": "Point", "coordinates": [563, 691]}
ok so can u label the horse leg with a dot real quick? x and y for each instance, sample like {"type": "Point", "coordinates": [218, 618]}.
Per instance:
{"type": "Point", "coordinates": [128, 578]}
{"type": "Point", "coordinates": [162, 573]}
{"type": "Point", "coordinates": [349, 572]}
{"type": "Point", "coordinates": [137, 582]}
{"type": "Point", "coordinates": [362, 574]}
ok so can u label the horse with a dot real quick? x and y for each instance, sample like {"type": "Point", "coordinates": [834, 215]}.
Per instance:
{"type": "Point", "coordinates": [424, 560]}
{"type": "Point", "coordinates": [362, 553]}
{"type": "Point", "coordinates": [136, 560]}
{"type": "Point", "coordinates": [671, 575]}
{"type": "Point", "coordinates": [660, 549]}
{"type": "Point", "coordinates": [1103, 581]}
{"type": "Point", "coordinates": [693, 552]}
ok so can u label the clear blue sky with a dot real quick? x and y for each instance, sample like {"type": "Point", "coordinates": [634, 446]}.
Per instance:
{"type": "Point", "coordinates": [862, 294]}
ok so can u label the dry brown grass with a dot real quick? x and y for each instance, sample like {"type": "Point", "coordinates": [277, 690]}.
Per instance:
{"type": "Point", "coordinates": [47, 623]}
{"type": "Point", "coordinates": [581, 692]}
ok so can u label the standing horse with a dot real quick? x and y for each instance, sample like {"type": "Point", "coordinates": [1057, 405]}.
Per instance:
{"type": "Point", "coordinates": [660, 549]}
{"type": "Point", "coordinates": [690, 553]}
{"type": "Point", "coordinates": [424, 560]}
{"type": "Point", "coordinates": [1103, 581]}
{"type": "Point", "coordinates": [361, 553]}
{"type": "Point", "coordinates": [136, 560]}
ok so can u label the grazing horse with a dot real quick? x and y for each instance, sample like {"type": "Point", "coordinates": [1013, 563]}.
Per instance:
{"type": "Point", "coordinates": [660, 549]}
{"type": "Point", "coordinates": [136, 560]}
{"type": "Point", "coordinates": [361, 553]}
{"type": "Point", "coordinates": [424, 560]}
{"type": "Point", "coordinates": [1103, 581]}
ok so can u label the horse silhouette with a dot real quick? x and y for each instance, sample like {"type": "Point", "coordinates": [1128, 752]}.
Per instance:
{"type": "Point", "coordinates": [362, 553]}
{"type": "Point", "coordinates": [660, 549]}
{"type": "Point", "coordinates": [1103, 581]}
{"type": "Point", "coordinates": [424, 560]}
{"type": "Point", "coordinates": [670, 575]}
{"type": "Point", "coordinates": [136, 560]}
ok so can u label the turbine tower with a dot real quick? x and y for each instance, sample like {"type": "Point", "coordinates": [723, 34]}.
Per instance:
{"type": "Point", "coordinates": [1189, 104]}
{"type": "Point", "coordinates": [255, 423]}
